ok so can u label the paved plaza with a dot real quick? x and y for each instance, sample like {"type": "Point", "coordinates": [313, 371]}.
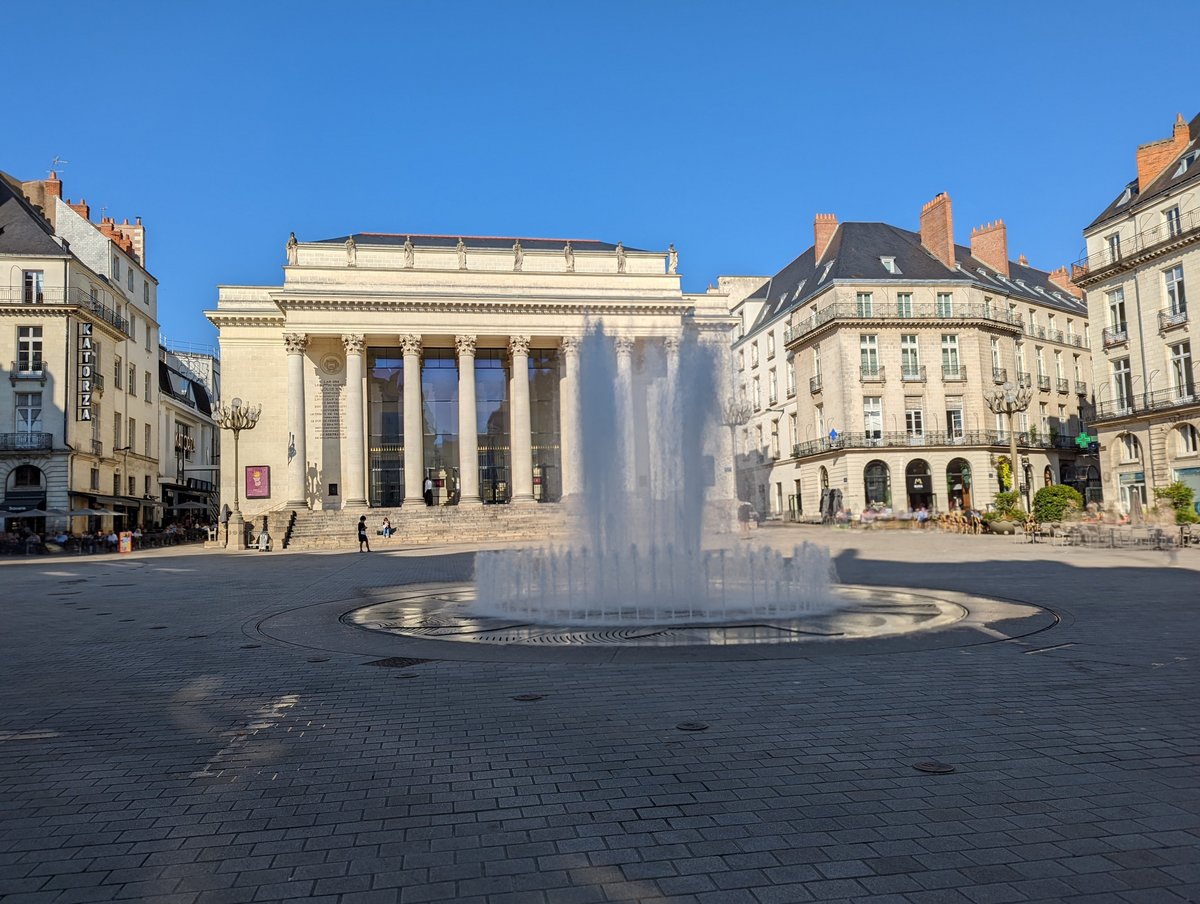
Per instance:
{"type": "Point", "coordinates": [192, 726]}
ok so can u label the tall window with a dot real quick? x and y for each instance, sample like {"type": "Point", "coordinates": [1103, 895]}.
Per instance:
{"type": "Point", "coordinates": [148, 446]}
{"type": "Point", "coordinates": [817, 361]}
{"type": "Point", "coordinates": [865, 305]}
{"type": "Point", "coordinates": [1041, 361]}
{"type": "Point", "coordinates": [904, 304]}
{"type": "Point", "coordinates": [1122, 383]}
{"type": "Point", "coordinates": [774, 439]}
{"type": "Point", "coordinates": [1058, 371]}
{"type": "Point", "coordinates": [131, 435]}
{"type": "Point", "coordinates": [118, 372]}
{"type": "Point", "coordinates": [146, 293]}
{"type": "Point", "coordinates": [1189, 440]}
{"type": "Point", "coordinates": [910, 355]}
{"type": "Point", "coordinates": [1114, 247]}
{"type": "Point", "coordinates": [29, 349]}
{"type": "Point", "coordinates": [793, 430]}
{"type": "Point", "coordinates": [1044, 418]}
{"type": "Point", "coordinates": [133, 379]}
{"type": "Point", "coordinates": [29, 412]}
{"type": "Point", "coordinates": [146, 386]}
{"type": "Point", "coordinates": [756, 394]}
{"type": "Point", "coordinates": [868, 354]}
{"type": "Point", "coordinates": [995, 356]}
{"type": "Point", "coordinates": [791, 377]}
{"type": "Point", "coordinates": [770, 345]}
{"type": "Point", "coordinates": [1019, 357]}
{"type": "Point", "coordinates": [1176, 300]}
{"type": "Point", "coordinates": [873, 417]}
{"type": "Point", "coordinates": [741, 359]}
{"type": "Point", "coordinates": [754, 353]}
{"type": "Point", "coordinates": [117, 431]}
{"type": "Point", "coordinates": [1174, 227]}
{"type": "Point", "coordinates": [950, 365]}
{"type": "Point", "coordinates": [945, 304]}
{"type": "Point", "coordinates": [1116, 310]}
{"type": "Point", "coordinates": [34, 289]}
{"type": "Point", "coordinates": [1131, 449]}
{"type": "Point", "coordinates": [772, 392]}
{"type": "Point", "coordinates": [954, 417]}
{"type": "Point", "coordinates": [914, 423]}
{"type": "Point", "coordinates": [1075, 366]}
{"type": "Point", "coordinates": [1181, 370]}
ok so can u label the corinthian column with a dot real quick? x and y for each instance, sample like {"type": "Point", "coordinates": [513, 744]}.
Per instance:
{"type": "Point", "coordinates": [468, 426]}
{"type": "Point", "coordinates": [414, 429]}
{"type": "Point", "coordinates": [568, 400]}
{"type": "Point", "coordinates": [355, 448]}
{"type": "Point", "coordinates": [297, 471]}
{"type": "Point", "coordinates": [625, 409]}
{"type": "Point", "coordinates": [522, 442]}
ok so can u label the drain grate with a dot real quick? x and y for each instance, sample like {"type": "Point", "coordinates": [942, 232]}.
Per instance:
{"type": "Point", "coordinates": [398, 662]}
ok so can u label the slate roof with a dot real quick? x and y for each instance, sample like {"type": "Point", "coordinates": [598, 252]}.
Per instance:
{"type": "Point", "coordinates": [1170, 178]}
{"type": "Point", "coordinates": [183, 388]}
{"type": "Point", "coordinates": [472, 241]}
{"type": "Point", "coordinates": [23, 229]}
{"type": "Point", "coordinates": [854, 255]}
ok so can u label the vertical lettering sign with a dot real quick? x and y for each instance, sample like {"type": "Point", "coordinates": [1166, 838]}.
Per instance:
{"type": "Point", "coordinates": [86, 362]}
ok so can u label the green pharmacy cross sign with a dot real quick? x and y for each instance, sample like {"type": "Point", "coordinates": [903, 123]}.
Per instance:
{"type": "Point", "coordinates": [1085, 443]}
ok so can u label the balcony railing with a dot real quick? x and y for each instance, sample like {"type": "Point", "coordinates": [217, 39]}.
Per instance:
{"type": "Point", "coordinates": [1169, 320]}
{"type": "Point", "coordinates": [999, 375]}
{"type": "Point", "coordinates": [1063, 385]}
{"type": "Point", "coordinates": [29, 370]}
{"type": "Point", "coordinates": [98, 448]}
{"type": "Point", "coordinates": [1044, 382]}
{"type": "Point", "coordinates": [998, 438]}
{"type": "Point", "coordinates": [26, 442]}
{"type": "Point", "coordinates": [814, 384]}
{"type": "Point", "coordinates": [1080, 388]}
{"type": "Point", "coordinates": [1158, 400]}
{"type": "Point", "coordinates": [97, 381]}
{"type": "Point", "coordinates": [1024, 381]}
{"type": "Point", "coordinates": [1131, 248]}
{"type": "Point", "coordinates": [871, 373]}
{"type": "Point", "coordinates": [74, 297]}
{"type": "Point", "coordinates": [913, 373]}
{"type": "Point", "coordinates": [954, 373]}
{"type": "Point", "coordinates": [851, 311]}
{"type": "Point", "coordinates": [1115, 335]}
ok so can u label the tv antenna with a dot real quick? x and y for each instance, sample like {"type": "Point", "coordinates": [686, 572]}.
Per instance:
{"type": "Point", "coordinates": [58, 163]}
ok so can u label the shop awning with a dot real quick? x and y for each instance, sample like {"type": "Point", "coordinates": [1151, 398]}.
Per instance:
{"type": "Point", "coordinates": [23, 502]}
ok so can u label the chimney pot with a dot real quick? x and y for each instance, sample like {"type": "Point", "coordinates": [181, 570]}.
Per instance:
{"type": "Point", "coordinates": [824, 226]}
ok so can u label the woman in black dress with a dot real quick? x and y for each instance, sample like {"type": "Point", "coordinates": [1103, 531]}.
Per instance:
{"type": "Point", "coordinates": [362, 534]}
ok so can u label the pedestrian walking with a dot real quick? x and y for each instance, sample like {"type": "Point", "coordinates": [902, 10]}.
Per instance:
{"type": "Point", "coordinates": [428, 491]}
{"type": "Point", "coordinates": [362, 535]}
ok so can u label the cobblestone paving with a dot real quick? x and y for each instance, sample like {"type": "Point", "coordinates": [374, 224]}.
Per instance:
{"type": "Point", "coordinates": [154, 748]}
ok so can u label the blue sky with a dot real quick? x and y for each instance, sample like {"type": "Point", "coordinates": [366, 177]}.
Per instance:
{"type": "Point", "coordinates": [720, 127]}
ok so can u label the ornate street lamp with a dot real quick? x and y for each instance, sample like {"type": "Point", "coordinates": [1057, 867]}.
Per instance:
{"type": "Point", "coordinates": [1010, 400]}
{"type": "Point", "coordinates": [736, 413]}
{"type": "Point", "coordinates": [236, 417]}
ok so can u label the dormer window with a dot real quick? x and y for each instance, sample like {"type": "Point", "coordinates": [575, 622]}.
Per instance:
{"type": "Point", "coordinates": [889, 264]}
{"type": "Point", "coordinates": [825, 272]}
{"type": "Point", "coordinates": [1187, 161]}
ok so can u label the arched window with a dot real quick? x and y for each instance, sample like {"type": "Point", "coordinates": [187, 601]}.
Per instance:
{"type": "Point", "coordinates": [877, 483]}
{"type": "Point", "coordinates": [958, 483]}
{"type": "Point", "coordinates": [1189, 440]}
{"type": "Point", "coordinates": [1048, 477]}
{"type": "Point", "coordinates": [26, 477]}
{"type": "Point", "coordinates": [824, 478]}
{"type": "Point", "coordinates": [1130, 448]}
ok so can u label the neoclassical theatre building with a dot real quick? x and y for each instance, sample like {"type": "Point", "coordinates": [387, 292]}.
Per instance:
{"type": "Point", "coordinates": [386, 363]}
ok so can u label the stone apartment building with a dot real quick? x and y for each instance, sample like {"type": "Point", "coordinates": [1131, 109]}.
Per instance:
{"type": "Point", "coordinates": [78, 421]}
{"type": "Point", "coordinates": [189, 440]}
{"type": "Point", "coordinates": [1143, 252]}
{"type": "Point", "coordinates": [865, 362]}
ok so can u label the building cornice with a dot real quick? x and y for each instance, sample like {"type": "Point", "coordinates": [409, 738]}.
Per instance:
{"type": "Point", "coordinates": [456, 304]}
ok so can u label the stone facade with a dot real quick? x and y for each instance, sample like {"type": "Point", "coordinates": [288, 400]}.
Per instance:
{"type": "Point", "coordinates": [1143, 258]}
{"type": "Point", "coordinates": [384, 363]}
{"type": "Point", "coordinates": [877, 353]}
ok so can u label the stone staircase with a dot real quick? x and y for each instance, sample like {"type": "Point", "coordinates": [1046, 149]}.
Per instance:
{"type": "Point", "coordinates": [421, 524]}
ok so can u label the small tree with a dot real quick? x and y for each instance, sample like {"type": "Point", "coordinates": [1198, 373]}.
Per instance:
{"type": "Point", "coordinates": [1054, 503]}
{"type": "Point", "coordinates": [1007, 507]}
{"type": "Point", "coordinates": [1181, 496]}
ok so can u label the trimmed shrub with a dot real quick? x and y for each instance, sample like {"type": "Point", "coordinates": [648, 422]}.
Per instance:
{"type": "Point", "coordinates": [1181, 496]}
{"type": "Point", "coordinates": [1007, 507]}
{"type": "Point", "coordinates": [1056, 503]}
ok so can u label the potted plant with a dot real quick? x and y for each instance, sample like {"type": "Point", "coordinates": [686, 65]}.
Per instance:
{"type": "Point", "coordinates": [1006, 513]}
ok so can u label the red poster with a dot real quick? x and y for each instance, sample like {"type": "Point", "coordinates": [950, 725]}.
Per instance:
{"type": "Point", "coordinates": [258, 481]}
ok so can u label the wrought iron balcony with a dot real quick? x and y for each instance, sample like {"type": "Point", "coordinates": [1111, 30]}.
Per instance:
{"type": "Point", "coordinates": [26, 442]}
{"type": "Point", "coordinates": [876, 440]}
{"type": "Point", "coordinates": [97, 448]}
{"type": "Point", "coordinates": [1115, 335]}
{"type": "Point", "coordinates": [29, 370]}
{"type": "Point", "coordinates": [1132, 250]}
{"type": "Point", "coordinates": [73, 297]}
{"type": "Point", "coordinates": [1024, 381]}
{"type": "Point", "coordinates": [1080, 388]}
{"type": "Point", "coordinates": [1159, 400]}
{"type": "Point", "coordinates": [871, 373]}
{"type": "Point", "coordinates": [814, 384]}
{"type": "Point", "coordinates": [913, 373]}
{"type": "Point", "coordinates": [1063, 385]}
{"type": "Point", "coordinates": [851, 311]}
{"type": "Point", "coordinates": [1169, 320]}
{"type": "Point", "coordinates": [1043, 382]}
{"type": "Point", "coordinates": [954, 373]}
{"type": "Point", "coordinates": [999, 375]}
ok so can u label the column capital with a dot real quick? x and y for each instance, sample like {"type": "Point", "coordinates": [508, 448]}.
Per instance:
{"type": "Point", "coordinates": [295, 343]}
{"type": "Point", "coordinates": [410, 344]}
{"type": "Point", "coordinates": [518, 345]}
{"type": "Point", "coordinates": [465, 345]}
{"type": "Point", "coordinates": [569, 345]}
{"type": "Point", "coordinates": [354, 343]}
{"type": "Point", "coordinates": [671, 344]}
{"type": "Point", "coordinates": [624, 345]}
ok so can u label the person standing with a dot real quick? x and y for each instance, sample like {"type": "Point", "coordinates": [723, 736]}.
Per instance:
{"type": "Point", "coordinates": [428, 491]}
{"type": "Point", "coordinates": [362, 535]}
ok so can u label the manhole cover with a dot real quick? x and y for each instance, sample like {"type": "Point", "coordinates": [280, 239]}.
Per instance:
{"type": "Point", "coordinates": [397, 662]}
{"type": "Point", "coordinates": [934, 767]}
{"type": "Point", "coordinates": [692, 726]}
{"type": "Point", "coordinates": [529, 698]}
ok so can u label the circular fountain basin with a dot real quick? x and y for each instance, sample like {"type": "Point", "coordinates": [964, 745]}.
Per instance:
{"type": "Point", "coordinates": [444, 614]}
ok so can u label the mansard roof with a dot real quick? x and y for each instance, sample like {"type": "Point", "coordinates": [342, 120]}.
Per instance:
{"type": "Point", "coordinates": [1184, 169]}
{"type": "Point", "coordinates": [23, 229]}
{"type": "Point", "coordinates": [472, 241]}
{"type": "Point", "coordinates": [856, 253]}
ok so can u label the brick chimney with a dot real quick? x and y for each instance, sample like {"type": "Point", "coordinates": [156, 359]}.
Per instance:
{"type": "Point", "coordinates": [81, 208]}
{"type": "Point", "coordinates": [53, 186]}
{"type": "Point", "coordinates": [1059, 278]}
{"type": "Point", "coordinates": [989, 244]}
{"type": "Point", "coordinates": [135, 234]}
{"type": "Point", "coordinates": [1156, 156]}
{"type": "Point", "coordinates": [937, 229]}
{"type": "Point", "coordinates": [824, 226]}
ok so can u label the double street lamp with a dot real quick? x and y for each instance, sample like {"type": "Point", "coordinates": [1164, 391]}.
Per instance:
{"type": "Point", "coordinates": [237, 417]}
{"type": "Point", "coordinates": [1010, 400]}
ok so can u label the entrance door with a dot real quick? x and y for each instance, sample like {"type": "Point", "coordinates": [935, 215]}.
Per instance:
{"type": "Point", "coordinates": [919, 480]}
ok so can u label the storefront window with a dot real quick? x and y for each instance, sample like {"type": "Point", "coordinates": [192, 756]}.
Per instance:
{"type": "Point", "coordinates": [385, 415]}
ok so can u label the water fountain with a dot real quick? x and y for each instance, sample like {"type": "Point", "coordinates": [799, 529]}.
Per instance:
{"type": "Point", "coordinates": [640, 558]}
